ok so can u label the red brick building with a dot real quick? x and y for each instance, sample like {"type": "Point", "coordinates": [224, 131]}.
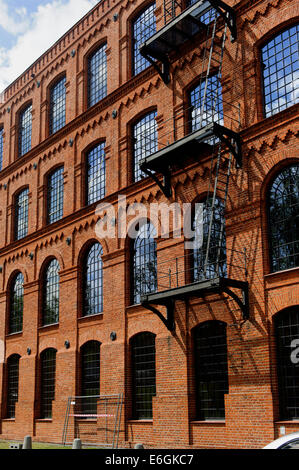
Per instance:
{"type": "Point", "coordinates": [201, 343]}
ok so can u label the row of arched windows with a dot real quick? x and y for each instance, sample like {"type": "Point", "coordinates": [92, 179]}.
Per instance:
{"type": "Point", "coordinates": [210, 365]}
{"type": "Point", "coordinates": [283, 221]}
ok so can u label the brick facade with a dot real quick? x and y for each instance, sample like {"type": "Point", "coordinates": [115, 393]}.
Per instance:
{"type": "Point", "coordinates": [251, 406]}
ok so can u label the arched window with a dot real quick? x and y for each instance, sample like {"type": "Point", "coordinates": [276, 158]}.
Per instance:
{"type": "Point", "coordinates": [97, 75]}
{"type": "Point", "coordinates": [90, 376]}
{"type": "Point", "coordinates": [211, 371]}
{"type": "Point", "coordinates": [216, 261]}
{"type": "Point", "coordinates": [21, 214]}
{"type": "Point", "coordinates": [50, 312]}
{"type": "Point", "coordinates": [16, 304]}
{"type": "Point", "coordinates": [286, 325]}
{"type": "Point", "coordinates": [205, 101]}
{"type": "Point", "coordinates": [93, 281]}
{"type": "Point", "coordinates": [96, 173]}
{"type": "Point", "coordinates": [144, 27]}
{"type": "Point", "coordinates": [55, 195]}
{"type": "Point", "coordinates": [12, 385]}
{"type": "Point", "coordinates": [1, 147]}
{"type": "Point", "coordinates": [280, 68]}
{"type": "Point", "coordinates": [143, 356]}
{"type": "Point", "coordinates": [144, 261]}
{"type": "Point", "coordinates": [283, 213]}
{"type": "Point", "coordinates": [145, 141]}
{"type": "Point", "coordinates": [25, 129]}
{"type": "Point", "coordinates": [57, 106]}
{"type": "Point", "coordinates": [47, 393]}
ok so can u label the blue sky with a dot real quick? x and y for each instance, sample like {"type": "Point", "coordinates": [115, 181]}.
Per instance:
{"type": "Point", "coordinates": [29, 28]}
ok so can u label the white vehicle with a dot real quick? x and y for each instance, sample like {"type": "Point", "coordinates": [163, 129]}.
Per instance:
{"type": "Point", "coordinates": [289, 441]}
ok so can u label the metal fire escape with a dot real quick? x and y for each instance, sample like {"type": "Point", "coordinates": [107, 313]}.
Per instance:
{"type": "Point", "coordinates": [191, 24]}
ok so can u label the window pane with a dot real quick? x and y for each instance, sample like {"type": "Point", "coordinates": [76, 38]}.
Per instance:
{"type": "Point", "coordinates": [96, 174]}
{"type": "Point", "coordinates": [48, 367]}
{"type": "Point", "coordinates": [143, 28]}
{"type": "Point", "coordinates": [25, 128]}
{"type": "Point", "coordinates": [145, 141]}
{"type": "Point", "coordinates": [144, 375]}
{"type": "Point", "coordinates": [283, 204]}
{"type": "Point", "coordinates": [93, 281]}
{"type": "Point", "coordinates": [280, 67]}
{"type": "Point", "coordinates": [213, 269]}
{"type": "Point", "coordinates": [211, 369]}
{"type": "Point", "coordinates": [1, 147]}
{"type": "Point", "coordinates": [16, 305]}
{"type": "Point", "coordinates": [21, 212]}
{"type": "Point", "coordinates": [208, 110]}
{"type": "Point", "coordinates": [57, 106]}
{"type": "Point", "coordinates": [51, 294]}
{"type": "Point", "coordinates": [55, 196]}
{"type": "Point", "coordinates": [144, 262]}
{"type": "Point", "coordinates": [90, 375]}
{"type": "Point", "coordinates": [12, 384]}
{"type": "Point", "coordinates": [287, 330]}
{"type": "Point", "coordinates": [97, 76]}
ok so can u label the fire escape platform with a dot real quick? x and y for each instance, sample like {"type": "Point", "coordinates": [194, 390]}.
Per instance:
{"type": "Point", "coordinates": [200, 288]}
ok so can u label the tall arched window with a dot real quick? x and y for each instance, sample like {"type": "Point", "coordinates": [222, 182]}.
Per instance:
{"type": "Point", "coordinates": [144, 27]}
{"type": "Point", "coordinates": [283, 213]}
{"type": "Point", "coordinates": [25, 129]}
{"type": "Point", "coordinates": [286, 325]}
{"type": "Point", "coordinates": [21, 214]}
{"type": "Point", "coordinates": [206, 103]}
{"type": "Point", "coordinates": [47, 392]}
{"type": "Point", "coordinates": [143, 356]}
{"type": "Point", "coordinates": [144, 261]}
{"type": "Point", "coordinates": [12, 385]}
{"type": "Point", "coordinates": [211, 371]}
{"type": "Point", "coordinates": [57, 106]}
{"type": "Point", "coordinates": [97, 75]}
{"type": "Point", "coordinates": [16, 304]}
{"type": "Point", "coordinates": [90, 375]}
{"type": "Point", "coordinates": [55, 195]}
{"type": "Point", "coordinates": [216, 261]}
{"type": "Point", "coordinates": [93, 281]}
{"type": "Point", "coordinates": [1, 147]}
{"type": "Point", "coordinates": [280, 68]}
{"type": "Point", "coordinates": [145, 141]}
{"type": "Point", "coordinates": [96, 173]}
{"type": "Point", "coordinates": [50, 313]}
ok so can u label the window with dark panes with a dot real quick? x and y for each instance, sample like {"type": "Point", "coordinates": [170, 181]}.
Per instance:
{"type": "Point", "coordinates": [57, 106]}
{"type": "Point", "coordinates": [90, 375]}
{"type": "Point", "coordinates": [211, 371]}
{"type": "Point", "coordinates": [286, 325]}
{"type": "Point", "coordinates": [48, 371]}
{"type": "Point", "coordinates": [280, 69]}
{"type": "Point", "coordinates": [50, 313]}
{"type": "Point", "coordinates": [16, 304]}
{"type": "Point", "coordinates": [12, 385]}
{"type": "Point", "coordinates": [21, 214]}
{"type": "Point", "coordinates": [143, 28]}
{"type": "Point", "coordinates": [144, 262]}
{"type": "Point", "coordinates": [97, 75]}
{"type": "Point", "coordinates": [96, 173]}
{"type": "Point", "coordinates": [283, 219]}
{"type": "Point", "coordinates": [143, 355]}
{"type": "Point", "coordinates": [145, 142]}
{"type": "Point", "coordinates": [93, 281]}
{"type": "Point", "coordinates": [55, 195]}
{"type": "Point", "coordinates": [25, 130]}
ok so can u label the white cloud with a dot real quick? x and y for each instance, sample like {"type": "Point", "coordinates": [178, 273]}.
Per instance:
{"type": "Point", "coordinates": [12, 25]}
{"type": "Point", "coordinates": [37, 33]}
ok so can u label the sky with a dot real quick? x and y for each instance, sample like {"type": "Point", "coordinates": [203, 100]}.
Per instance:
{"type": "Point", "coordinates": [29, 28]}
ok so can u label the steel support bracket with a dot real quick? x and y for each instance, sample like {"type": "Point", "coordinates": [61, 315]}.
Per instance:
{"type": "Point", "coordinates": [166, 185]}
{"type": "Point", "coordinates": [228, 14]}
{"type": "Point", "coordinates": [163, 69]}
{"type": "Point", "coordinates": [232, 140]}
{"type": "Point", "coordinates": [242, 301]}
{"type": "Point", "coordinates": [169, 320]}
